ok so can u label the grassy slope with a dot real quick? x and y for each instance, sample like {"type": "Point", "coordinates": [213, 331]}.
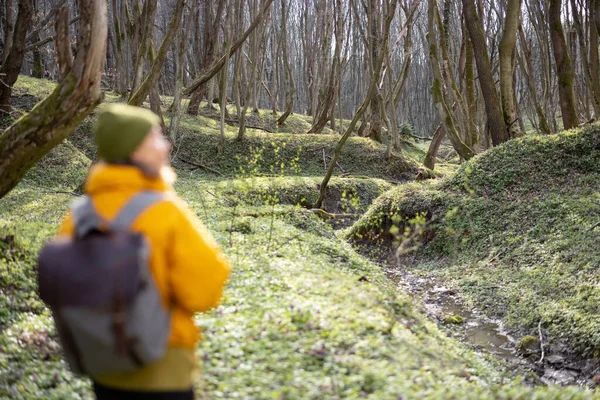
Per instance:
{"type": "Point", "coordinates": [303, 316]}
{"type": "Point", "coordinates": [517, 240]}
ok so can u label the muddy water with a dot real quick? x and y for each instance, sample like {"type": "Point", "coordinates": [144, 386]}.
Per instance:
{"type": "Point", "coordinates": [487, 335]}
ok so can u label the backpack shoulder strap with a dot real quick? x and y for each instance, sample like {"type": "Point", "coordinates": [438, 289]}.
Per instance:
{"type": "Point", "coordinates": [85, 217]}
{"type": "Point", "coordinates": [134, 207]}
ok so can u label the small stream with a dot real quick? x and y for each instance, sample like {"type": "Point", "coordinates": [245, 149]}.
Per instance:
{"type": "Point", "coordinates": [487, 335]}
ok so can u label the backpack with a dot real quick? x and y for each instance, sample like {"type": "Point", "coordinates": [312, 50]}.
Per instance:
{"type": "Point", "coordinates": [106, 306]}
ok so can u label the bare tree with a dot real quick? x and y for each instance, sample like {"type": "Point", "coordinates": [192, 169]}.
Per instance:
{"type": "Point", "coordinates": [291, 90]}
{"type": "Point", "coordinates": [14, 57]}
{"type": "Point", "coordinates": [564, 68]}
{"type": "Point", "coordinates": [507, 67]}
{"type": "Point", "coordinates": [495, 121]}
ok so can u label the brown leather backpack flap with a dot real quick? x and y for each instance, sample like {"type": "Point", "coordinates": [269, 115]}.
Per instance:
{"type": "Point", "coordinates": [91, 272]}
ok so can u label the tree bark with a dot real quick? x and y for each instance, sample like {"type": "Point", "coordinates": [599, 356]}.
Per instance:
{"type": "Point", "coordinates": [507, 56]}
{"type": "Point", "coordinates": [470, 90]}
{"type": "Point", "coordinates": [8, 30]}
{"type": "Point", "coordinates": [12, 65]}
{"type": "Point", "coordinates": [145, 42]}
{"type": "Point", "coordinates": [140, 95]}
{"type": "Point", "coordinates": [375, 49]}
{"type": "Point", "coordinates": [564, 69]}
{"type": "Point", "coordinates": [496, 122]}
{"type": "Point", "coordinates": [54, 118]}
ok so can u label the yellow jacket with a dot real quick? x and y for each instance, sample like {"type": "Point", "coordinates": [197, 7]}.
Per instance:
{"type": "Point", "coordinates": [187, 264]}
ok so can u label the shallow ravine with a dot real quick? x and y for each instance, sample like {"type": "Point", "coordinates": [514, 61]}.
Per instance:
{"type": "Point", "coordinates": [487, 335]}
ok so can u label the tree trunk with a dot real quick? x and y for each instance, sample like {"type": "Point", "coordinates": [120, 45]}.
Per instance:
{"type": "Point", "coordinates": [326, 105]}
{"type": "Point", "coordinates": [496, 122]}
{"type": "Point", "coordinates": [434, 147]}
{"type": "Point", "coordinates": [375, 50]}
{"type": "Point", "coordinates": [507, 56]}
{"type": "Point", "coordinates": [140, 95]}
{"type": "Point", "coordinates": [291, 90]}
{"type": "Point", "coordinates": [439, 90]}
{"type": "Point", "coordinates": [120, 69]}
{"type": "Point", "coordinates": [594, 57]}
{"type": "Point", "coordinates": [179, 69]}
{"type": "Point", "coordinates": [38, 62]}
{"type": "Point", "coordinates": [53, 119]}
{"type": "Point", "coordinates": [145, 42]}
{"type": "Point", "coordinates": [470, 90]}
{"type": "Point", "coordinates": [12, 65]}
{"type": "Point", "coordinates": [564, 69]}
{"type": "Point", "coordinates": [527, 70]}
{"type": "Point", "coordinates": [8, 30]}
{"type": "Point", "coordinates": [590, 65]}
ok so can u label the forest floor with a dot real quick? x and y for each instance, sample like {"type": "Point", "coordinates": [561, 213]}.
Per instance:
{"type": "Point", "coordinates": [305, 316]}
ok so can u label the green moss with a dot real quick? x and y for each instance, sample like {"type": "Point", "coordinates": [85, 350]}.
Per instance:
{"type": "Point", "coordinates": [453, 319]}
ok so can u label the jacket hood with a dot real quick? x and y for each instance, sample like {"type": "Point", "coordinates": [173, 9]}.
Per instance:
{"type": "Point", "coordinates": [105, 177]}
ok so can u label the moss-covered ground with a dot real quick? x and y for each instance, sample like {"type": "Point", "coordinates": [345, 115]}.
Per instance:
{"type": "Point", "coordinates": [304, 316]}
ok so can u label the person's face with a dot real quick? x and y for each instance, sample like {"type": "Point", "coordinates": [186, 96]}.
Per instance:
{"type": "Point", "coordinates": [154, 151]}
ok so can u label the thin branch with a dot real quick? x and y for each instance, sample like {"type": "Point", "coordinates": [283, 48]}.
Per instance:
{"type": "Point", "coordinates": [49, 39]}
{"type": "Point", "coordinates": [541, 341]}
{"type": "Point", "coordinates": [200, 166]}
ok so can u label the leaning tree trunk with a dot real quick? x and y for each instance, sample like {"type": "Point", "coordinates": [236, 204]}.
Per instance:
{"type": "Point", "coordinates": [493, 110]}
{"type": "Point", "coordinates": [12, 66]}
{"type": "Point", "coordinates": [507, 55]}
{"type": "Point", "coordinates": [434, 147]}
{"type": "Point", "coordinates": [33, 135]}
{"type": "Point", "coordinates": [564, 69]}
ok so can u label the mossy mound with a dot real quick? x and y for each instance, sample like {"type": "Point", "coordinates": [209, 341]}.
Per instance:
{"type": "Point", "coordinates": [284, 154]}
{"type": "Point", "coordinates": [531, 165]}
{"type": "Point", "coordinates": [514, 231]}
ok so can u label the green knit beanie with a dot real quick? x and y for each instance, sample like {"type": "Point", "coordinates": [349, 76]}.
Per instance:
{"type": "Point", "coordinates": [120, 129]}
